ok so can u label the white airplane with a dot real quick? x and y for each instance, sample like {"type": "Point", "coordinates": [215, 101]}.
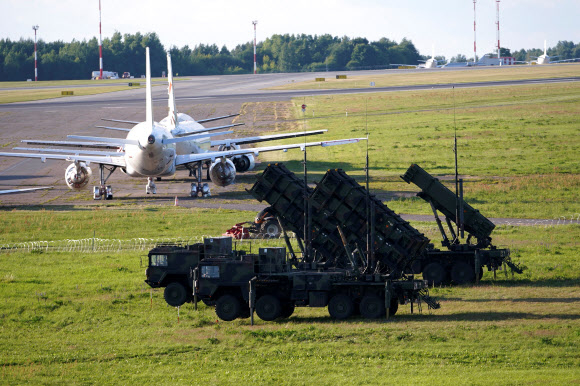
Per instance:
{"type": "Point", "coordinates": [432, 62]}
{"type": "Point", "coordinates": [547, 59]}
{"type": "Point", "coordinates": [429, 63]}
{"type": "Point", "coordinates": [150, 150]}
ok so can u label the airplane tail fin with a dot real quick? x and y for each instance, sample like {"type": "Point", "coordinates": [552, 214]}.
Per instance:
{"type": "Point", "coordinates": [171, 99]}
{"type": "Point", "coordinates": [148, 97]}
{"type": "Point", "coordinates": [545, 48]}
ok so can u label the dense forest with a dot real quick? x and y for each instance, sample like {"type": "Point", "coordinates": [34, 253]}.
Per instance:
{"type": "Point", "coordinates": [279, 53]}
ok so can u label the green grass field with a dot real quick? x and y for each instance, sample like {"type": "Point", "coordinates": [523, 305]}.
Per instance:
{"type": "Point", "coordinates": [517, 145]}
{"type": "Point", "coordinates": [89, 318]}
{"type": "Point", "coordinates": [11, 92]}
{"type": "Point", "coordinates": [439, 76]}
{"type": "Point", "coordinates": [72, 317]}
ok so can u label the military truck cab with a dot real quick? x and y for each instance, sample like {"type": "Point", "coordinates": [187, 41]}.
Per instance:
{"type": "Point", "coordinates": [170, 266]}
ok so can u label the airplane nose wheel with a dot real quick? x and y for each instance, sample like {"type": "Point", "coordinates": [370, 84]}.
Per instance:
{"type": "Point", "coordinates": [150, 188]}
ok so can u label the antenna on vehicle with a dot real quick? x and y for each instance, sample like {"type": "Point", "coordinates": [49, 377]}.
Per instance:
{"type": "Point", "coordinates": [370, 254]}
{"type": "Point", "coordinates": [458, 182]}
{"type": "Point", "coordinates": [306, 206]}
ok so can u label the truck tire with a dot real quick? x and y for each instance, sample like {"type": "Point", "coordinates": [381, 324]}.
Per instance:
{"type": "Point", "coordinates": [268, 308]}
{"type": "Point", "coordinates": [394, 307]}
{"type": "Point", "coordinates": [372, 307]}
{"type": "Point", "coordinates": [287, 310]}
{"type": "Point", "coordinates": [462, 273]}
{"type": "Point", "coordinates": [175, 294]}
{"type": "Point", "coordinates": [340, 306]}
{"type": "Point", "coordinates": [271, 229]}
{"type": "Point", "coordinates": [434, 273]}
{"type": "Point", "coordinates": [227, 308]}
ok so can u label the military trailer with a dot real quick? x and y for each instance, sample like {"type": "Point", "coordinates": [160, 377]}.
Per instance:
{"type": "Point", "coordinates": [461, 262]}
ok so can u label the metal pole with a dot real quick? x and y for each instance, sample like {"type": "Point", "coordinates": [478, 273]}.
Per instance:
{"type": "Point", "coordinates": [255, 65]}
{"type": "Point", "coordinates": [474, 35]}
{"type": "Point", "coordinates": [456, 171]}
{"type": "Point", "coordinates": [306, 211]}
{"type": "Point", "coordinates": [497, 22]}
{"type": "Point", "coordinates": [100, 44]}
{"type": "Point", "coordinates": [35, 28]}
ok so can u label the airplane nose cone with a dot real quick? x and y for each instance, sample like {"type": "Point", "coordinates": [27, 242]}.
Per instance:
{"type": "Point", "coordinates": [151, 139]}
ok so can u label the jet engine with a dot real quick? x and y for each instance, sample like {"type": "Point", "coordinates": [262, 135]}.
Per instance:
{"type": "Point", "coordinates": [232, 146]}
{"type": "Point", "coordinates": [244, 162]}
{"type": "Point", "coordinates": [222, 172]}
{"type": "Point", "coordinates": [77, 175]}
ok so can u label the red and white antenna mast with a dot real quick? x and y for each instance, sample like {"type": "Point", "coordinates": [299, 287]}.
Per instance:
{"type": "Point", "coordinates": [497, 22]}
{"type": "Point", "coordinates": [35, 28]}
{"type": "Point", "coordinates": [474, 36]}
{"type": "Point", "coordinates": [100, 44]}
{"type": "Point", "coordinates": [255, 65]}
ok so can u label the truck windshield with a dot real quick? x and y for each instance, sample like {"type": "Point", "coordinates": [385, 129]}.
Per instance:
{"type": "Point", "coordinates": [158, 260]}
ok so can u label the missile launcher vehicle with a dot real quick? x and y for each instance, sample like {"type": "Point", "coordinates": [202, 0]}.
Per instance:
{"type": "Point", "coordinates": [461, 262]}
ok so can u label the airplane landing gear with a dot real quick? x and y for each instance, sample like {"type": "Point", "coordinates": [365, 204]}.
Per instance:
{"type": "Point", "coordinates": [102, 191]}
{"type": "Point", "coordinates": [150, 188]}
{"type": "Point", "coordinates": [198, 188]}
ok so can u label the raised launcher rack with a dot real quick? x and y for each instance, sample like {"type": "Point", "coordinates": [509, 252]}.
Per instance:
{"type": "Point", "coordinates": [281, 188]}
{"type": "Point", "coordinates": [445, 201]}
{"type": "Point", "coordinates": [339, 204]}
{"type": "Point", "coordinates": [463, 262]}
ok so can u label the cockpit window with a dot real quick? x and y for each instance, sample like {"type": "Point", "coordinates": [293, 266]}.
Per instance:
{"type": "Point", "coordinates": [158, 260]}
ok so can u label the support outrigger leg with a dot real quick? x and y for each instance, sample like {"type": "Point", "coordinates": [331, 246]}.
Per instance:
{"type": "Point", "coordinates": [102, 190]}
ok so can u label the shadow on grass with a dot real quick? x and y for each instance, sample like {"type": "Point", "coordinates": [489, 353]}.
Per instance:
{"type": "Point", "coordinates": [424, 317]}
{"type": "Point", "coordinates": [524, 300]}
{"type": "Point", "coordinates": [531, 283]}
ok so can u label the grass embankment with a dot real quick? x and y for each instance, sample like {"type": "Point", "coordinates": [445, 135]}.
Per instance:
{"type": "Point", "coordinates": [517, 146]}
{"type": "Point", "coordinates": [12, 96]}
{"type": "Point", "coordinates": [11, 92]}
{"type": "Point", "coordinates": [439, 76]}
{"type": "Point", "coordinates": [89, 318]}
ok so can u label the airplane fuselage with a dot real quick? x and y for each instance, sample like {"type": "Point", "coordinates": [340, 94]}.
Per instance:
{"type": "Point", "coordinates": [151, 157]}
{"type": "Point", "coordinates": [543, 59]}
{"type": "Point", "coordinates": [187, 124]}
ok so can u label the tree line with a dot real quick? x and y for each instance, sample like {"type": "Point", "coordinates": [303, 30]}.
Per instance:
{"type": "Point", "coordinates": [279, 53]}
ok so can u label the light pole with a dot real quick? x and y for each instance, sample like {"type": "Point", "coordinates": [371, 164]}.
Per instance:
{"type": "Point", "coordinates": [35, 28]}
{"type": "Point", "coordinates": [100, 45]}
{"type": "Point", "coordinates": [255, 65]}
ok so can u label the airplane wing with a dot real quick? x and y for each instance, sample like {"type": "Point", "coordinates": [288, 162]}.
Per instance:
{"type": "Point", "coordinates": [203, 130]}
{"type": "Point", "coordinates": [12, 191]}
{"type": "Point", "coordinates": [69, 151]}
{"type": "Point", "coordinates": [120, 121]}
{"type": "Point", "coordinates": [113, 128]}
{"type": "Point", "coordinates": [95, 145]}
{"type": "Point", "coordinates": [192, 137]}
{"type": "Point", "coordinates": [105, 160]}
{"type": "Point", "coordinates": [212, 156]}
{"type": "Point", "coordinates": [217, 118]}
{"type": "Point", "coordinates": [263, 138]}
{"type": "Point", "coordinates": [118, 141]}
